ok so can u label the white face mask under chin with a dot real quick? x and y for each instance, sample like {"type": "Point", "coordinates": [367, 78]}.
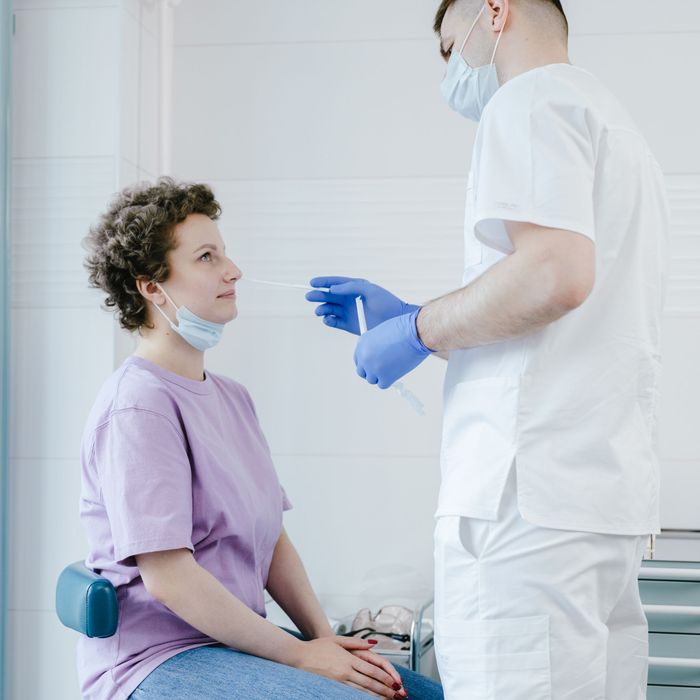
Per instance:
{"type": "Point", "coordinates": [466, 89]}
{"type": "Point", "coordinates": [198, 332]}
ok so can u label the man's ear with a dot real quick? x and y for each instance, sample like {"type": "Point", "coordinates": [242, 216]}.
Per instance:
{"type": "Point", "coordinates": [499, 9]}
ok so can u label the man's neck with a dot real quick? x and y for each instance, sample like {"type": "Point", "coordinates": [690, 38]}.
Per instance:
{"type": "Point", "coordinates": [527, 56]}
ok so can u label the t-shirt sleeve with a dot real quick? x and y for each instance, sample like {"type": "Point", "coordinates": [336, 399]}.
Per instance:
{"type": "Point", "coordinates": [286, 503]}
{"type": "Point", "coordinates": [536, 164]}
{"type": "Point", "coordinates": [146, 483]}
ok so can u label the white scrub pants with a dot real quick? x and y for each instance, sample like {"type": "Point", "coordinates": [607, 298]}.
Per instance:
{"type": "Point", "coordinates": [531, 613]}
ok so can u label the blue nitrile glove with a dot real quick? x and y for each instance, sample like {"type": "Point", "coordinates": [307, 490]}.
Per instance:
{"type": "Point", "coordinates": [390, 350]}
{"type": "Point", "coordinates": [338, 305]}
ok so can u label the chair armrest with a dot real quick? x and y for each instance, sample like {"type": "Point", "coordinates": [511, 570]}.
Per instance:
{"type": "Point", "coordinates": [86, 601]}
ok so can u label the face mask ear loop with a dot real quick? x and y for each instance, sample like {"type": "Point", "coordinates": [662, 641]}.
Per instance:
{"type": "Point", "coordinates": [471, 29]}
{"type": "Point", "coordinates": [165, 316]}
{"type": "Point", "coordinates": [498, 41]}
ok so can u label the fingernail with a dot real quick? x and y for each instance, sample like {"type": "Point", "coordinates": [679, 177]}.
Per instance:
{"type": "Point", "coordinates": [396, 686]}
{"type": "Point", "coordinates": [371, 641]}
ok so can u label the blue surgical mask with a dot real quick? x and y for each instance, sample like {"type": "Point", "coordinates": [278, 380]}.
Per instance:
{"type": "Point", "coordinates": [466, 89]}
{"type": "Point", "coordinates": [198, 332]}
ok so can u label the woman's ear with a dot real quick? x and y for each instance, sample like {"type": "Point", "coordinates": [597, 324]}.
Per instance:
{"type": "Point", "coordinates": [500, 10]}
{"type": "Point", "coordinates": [150, 290]}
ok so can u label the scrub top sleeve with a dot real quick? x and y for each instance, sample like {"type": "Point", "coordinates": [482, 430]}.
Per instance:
{"type": "Point", "coordinates": [146, 483]}
{"type": "Point", "coordinates": [535, 164]}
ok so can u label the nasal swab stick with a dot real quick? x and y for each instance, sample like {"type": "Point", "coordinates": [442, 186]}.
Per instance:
{"type": "Point", "coordinates": [404, 393]}
{"type": "Point", "coordinates": [284, 284]}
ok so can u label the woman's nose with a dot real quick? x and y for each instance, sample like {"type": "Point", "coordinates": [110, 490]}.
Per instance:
{"type": "Point", "coordinates": [233, 272]}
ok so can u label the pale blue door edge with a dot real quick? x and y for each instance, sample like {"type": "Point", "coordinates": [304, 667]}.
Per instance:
{"type": "Point", "coordinates": [6, 33]}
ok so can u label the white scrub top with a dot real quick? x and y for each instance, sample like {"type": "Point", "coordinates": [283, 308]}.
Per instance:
{"type": "Point", "coordinates": [574, 404]}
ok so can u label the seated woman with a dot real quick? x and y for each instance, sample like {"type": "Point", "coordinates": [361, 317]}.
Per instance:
{"type": "Point", "coordinates": [180, 499]}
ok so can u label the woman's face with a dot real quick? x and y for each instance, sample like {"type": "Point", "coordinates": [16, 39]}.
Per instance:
{"type": "Point", "coordinates": [201, 277]}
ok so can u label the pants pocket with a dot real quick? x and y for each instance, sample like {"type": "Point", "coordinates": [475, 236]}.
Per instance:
{"type": "Point", "coordinates": [503, 659]}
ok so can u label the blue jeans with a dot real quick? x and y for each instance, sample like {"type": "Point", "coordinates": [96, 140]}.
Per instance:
{"type": "Point", "coordinates": [220, 673]}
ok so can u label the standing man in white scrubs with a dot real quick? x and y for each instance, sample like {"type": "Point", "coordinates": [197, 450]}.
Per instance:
{"type": "Point", "coordinates": [550, 477]}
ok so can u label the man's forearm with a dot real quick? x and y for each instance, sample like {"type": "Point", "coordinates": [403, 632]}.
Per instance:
{"type": "Point", "coordinates": [289, 585]}
{"type": "Point", "coordinates": [517, 296]}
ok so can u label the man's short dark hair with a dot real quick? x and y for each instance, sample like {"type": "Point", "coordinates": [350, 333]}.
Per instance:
{"type": "Point", "coordinates": [446, 4]}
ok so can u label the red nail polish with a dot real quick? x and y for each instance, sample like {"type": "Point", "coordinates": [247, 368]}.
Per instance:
{"type": "Point", "coordinates": [396, 686]}
{"type": "Point", "coordinates": [371, 641]}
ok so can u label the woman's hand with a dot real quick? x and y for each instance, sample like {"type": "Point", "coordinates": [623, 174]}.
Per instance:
{"type": "Point", "coordinates": [350, 661]}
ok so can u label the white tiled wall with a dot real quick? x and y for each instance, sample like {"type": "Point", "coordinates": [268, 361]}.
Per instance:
{"type": "Point", "coordinates": [85, 114]}
{"type": "Point", "coordinates": [321, 127]}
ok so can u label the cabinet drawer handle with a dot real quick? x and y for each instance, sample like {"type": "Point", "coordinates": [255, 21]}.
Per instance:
{"type": "Point", "coordinates": [662, 662]}
{"type": "Point", "coordinates": [673, 610]}
{"type": "Point", "coordinates": [648, 573]}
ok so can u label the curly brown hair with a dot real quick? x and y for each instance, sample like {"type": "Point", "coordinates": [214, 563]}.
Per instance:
{"type": "Point", "coordinates": [133, 237]}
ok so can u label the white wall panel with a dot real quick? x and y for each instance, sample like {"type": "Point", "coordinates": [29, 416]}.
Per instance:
{"type": "Point", "coordinates": [307, 111]}
{"type": "Point", "coordinates": [47, 531]}
{"type": "Point", "coordinates": [680, 390]}
{"type": "Point", "coordinates": [64, 102]}
{"type": "Point", "coordinates": [55, 201]}
{"type": "Point", "coordinates": [60, 359]}
{"type": "Point", "coordinates": [210, 22]}
{"type": "Point", "coordinates": [631, 17]}
{"type": "Point", "coordinates": [63, 4]}
{"type": "Point", "coordinates": [310, 400]}
{"type": "Point", "coordinates": [404, 233]}
{"type": "Point", "coordinates": [367, 522]}
{"type": "Point", "coordinates": [679, 484]}
{"type": "Point", "coordinates": [149, 102]}
{"type": "Point", "coordinates": [684, 274]}
{"type": "Point", "coordinates": [42, 657]}
{"type": "Point", "coordinates": [651, 74]}
{"type": "Point", "coordinates": [129, 87]}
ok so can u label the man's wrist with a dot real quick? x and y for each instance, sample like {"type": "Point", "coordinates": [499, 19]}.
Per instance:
{"type": "Point", "coordinates": [415, 316]}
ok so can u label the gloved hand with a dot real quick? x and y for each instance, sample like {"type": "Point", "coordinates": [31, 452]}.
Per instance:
{"type": "Point", "coordinates": [391, 350]}
{"type": "Point", "coordinates": [339, 310]}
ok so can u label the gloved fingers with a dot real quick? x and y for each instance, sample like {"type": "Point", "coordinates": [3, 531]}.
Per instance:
{"type": "Point", "coordinates": [325, 296]}
{"type": "Point", "coordinates": [384, 383]}
{"type": "Point", "coordinates": [361, 372]}
{"type": "Point", "coordinates": [356, 287]}
{"type": "Point", "coordinates": [340, 322]}
{"type": "Point", "coordinates": [330, 310]}
{"type": "Point", "coordinates": [372, 379]}
{"type": "Point", "coordinates": [328, 281]}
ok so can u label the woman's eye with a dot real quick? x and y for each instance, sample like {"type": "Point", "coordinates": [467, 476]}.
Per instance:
{"type": "Point", "coordinates": [206, 257]}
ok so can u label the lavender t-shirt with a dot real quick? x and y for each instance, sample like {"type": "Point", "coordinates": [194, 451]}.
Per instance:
{"type": "Point", "coordinates": [169, 463]}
